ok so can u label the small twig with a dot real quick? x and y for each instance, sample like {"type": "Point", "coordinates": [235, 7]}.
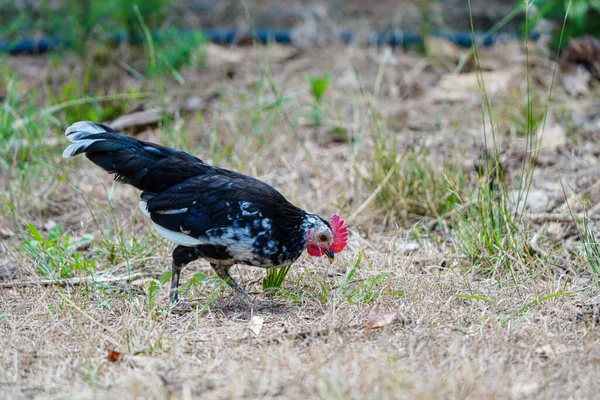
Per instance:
{"type": "Point", "coordinates": [78, 281]}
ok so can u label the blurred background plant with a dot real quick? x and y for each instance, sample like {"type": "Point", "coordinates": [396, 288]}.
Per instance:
{"type": "Point", "coordinates": [582, 18]}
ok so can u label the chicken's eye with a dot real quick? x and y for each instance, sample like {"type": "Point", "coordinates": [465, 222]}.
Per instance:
{"type": "Point", "coordinates": [323, 237]}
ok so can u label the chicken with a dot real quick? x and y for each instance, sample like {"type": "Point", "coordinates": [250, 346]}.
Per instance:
{"type": "Point", "coordinates": [212, 213]}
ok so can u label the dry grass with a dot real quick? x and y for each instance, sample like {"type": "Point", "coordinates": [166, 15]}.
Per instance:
{"type": "Point", "coordinates": [459, 333]}
{"type": "Point", "coordinates": [443, 347]}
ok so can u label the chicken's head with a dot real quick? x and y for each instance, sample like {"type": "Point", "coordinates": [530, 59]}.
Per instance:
{"type": "Point", "coordinates": [327, 239]}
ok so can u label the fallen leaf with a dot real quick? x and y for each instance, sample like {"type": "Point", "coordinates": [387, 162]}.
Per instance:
{"type": "Point", "coordinates": [453, 87]}
{"type": "Point", "coordinates": [114, 356]}
{"type": "Point", "coordinates": [378, 318]}
{"type": "Point", "coordinates": [256, 324]}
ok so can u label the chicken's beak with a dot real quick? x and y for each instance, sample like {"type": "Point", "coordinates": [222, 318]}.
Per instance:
{"type": "Point", "coordinates": [329, 255]}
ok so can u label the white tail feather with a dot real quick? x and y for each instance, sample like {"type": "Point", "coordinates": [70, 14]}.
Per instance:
{"type": "Point", "coordinates": [76, 146]}
{"type": "Point", "coordinates": [83, 128]}
{"type": "Point", "coordinates": [79, 134]}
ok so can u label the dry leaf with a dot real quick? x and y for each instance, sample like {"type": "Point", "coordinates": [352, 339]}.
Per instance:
{"type": "Point", "coordinates": [377, 318]}
{"type": "Point", "coordinates": [256, 324]}
{"type": "Point", "coordinates": [453, 87]}
{"type": "Point", "coordinates": [114, 356]}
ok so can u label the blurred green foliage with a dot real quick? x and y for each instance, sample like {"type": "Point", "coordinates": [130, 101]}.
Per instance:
{"type": "Point", "coordinates": [78, 21]}
{"type": "Point", "coordinates": [583, 18]}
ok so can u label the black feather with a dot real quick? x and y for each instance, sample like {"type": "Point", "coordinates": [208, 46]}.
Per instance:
{"type": "Point", "coordinates": [147, 166]}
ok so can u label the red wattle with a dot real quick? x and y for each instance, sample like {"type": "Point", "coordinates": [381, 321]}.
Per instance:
{"type": "Point", "coordinates": [314, 250]}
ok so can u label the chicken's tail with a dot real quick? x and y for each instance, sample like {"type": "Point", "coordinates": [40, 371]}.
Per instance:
{"type": "Point", "coordinates": [147, 166]}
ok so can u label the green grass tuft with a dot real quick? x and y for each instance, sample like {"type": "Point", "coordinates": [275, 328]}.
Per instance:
{"type": "Point", "coordinates": [408, 186]}
{"type": "Point", "coordinates": [55, 255]}
{"type": "Point", "coordinates": [275, 277]}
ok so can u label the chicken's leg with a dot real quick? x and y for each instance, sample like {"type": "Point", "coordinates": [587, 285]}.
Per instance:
{"type": "Point", "coordinates": [174, 291]}
{"type": "Point", "coordinates": [181, 257]}
{"type": "Point", "coordinates": [223, 272]}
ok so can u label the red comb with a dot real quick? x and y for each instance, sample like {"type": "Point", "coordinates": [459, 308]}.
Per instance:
{"type": "Point", "coordinates": [340, 233]}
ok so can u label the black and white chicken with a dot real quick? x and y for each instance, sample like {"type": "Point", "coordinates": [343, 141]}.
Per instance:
{"type": "Point", "coordinates": [212, 213]}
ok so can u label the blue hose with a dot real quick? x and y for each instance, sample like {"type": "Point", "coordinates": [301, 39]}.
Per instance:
{"type": "Point", "coordinates": [231, 36]}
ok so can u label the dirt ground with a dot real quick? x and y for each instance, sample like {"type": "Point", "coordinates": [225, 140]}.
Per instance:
{"type": "Point", "coordinates": [417, 320]}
